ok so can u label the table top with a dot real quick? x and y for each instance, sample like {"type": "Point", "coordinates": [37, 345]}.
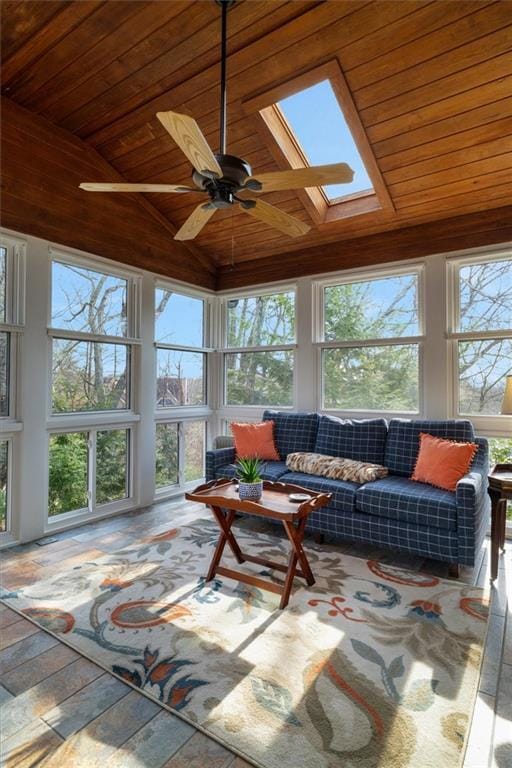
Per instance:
{"type": "Point", "coordinates": [274, 502]}
{"type": "Point", "coordinates": [500, 477]}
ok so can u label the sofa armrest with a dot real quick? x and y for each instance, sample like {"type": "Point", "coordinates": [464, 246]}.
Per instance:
{"type": "Point", "coordinates": [473, 505]}
{"type": "Point", "coordinates": [472, 485]}
{"type": "Point", "coordinates": [218, 458]}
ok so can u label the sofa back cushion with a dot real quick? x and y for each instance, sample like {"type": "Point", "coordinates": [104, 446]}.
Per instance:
{"type": "Point", "coordinates": [293, 431]}
{"type": "Point", "coordinates": [361, 440]}
{"type": "Point", "coordinates": [403, 441]}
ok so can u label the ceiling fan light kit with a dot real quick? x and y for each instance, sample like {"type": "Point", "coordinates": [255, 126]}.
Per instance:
{"type": "Point", "coordinates": [222, 176]}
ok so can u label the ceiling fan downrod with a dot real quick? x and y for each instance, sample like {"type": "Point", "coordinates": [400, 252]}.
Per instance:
{"type": "Point", "coordinates": [224, 5]}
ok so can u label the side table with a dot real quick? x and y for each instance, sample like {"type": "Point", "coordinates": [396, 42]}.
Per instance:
{"type": "Point", "coordinates": [500, 491]}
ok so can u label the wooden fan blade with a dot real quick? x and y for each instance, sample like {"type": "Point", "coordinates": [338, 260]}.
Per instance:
{"type": "Point", "coordinates": [195, 222]}
{"type": "Point", "coordinates": [298, 178]}
{"type": "Point", "coordinates": [189, 138]}
{"type": "Point", "coordinates": [90, 187]}
{"type": "Point", "coordinates": [278, 219]}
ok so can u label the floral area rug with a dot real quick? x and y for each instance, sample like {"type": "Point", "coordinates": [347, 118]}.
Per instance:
{"type": "Point", "coordinates": [372, 667]}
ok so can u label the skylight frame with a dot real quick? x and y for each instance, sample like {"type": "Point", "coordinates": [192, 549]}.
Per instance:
{"type": "Point", "coordinates": [287, 152]}
{"type": "Point", "coordinates": [325, 88]}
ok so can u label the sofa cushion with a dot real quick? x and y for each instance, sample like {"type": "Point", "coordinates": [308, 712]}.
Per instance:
{"type": "Point", "coordinates": [272, 470]}
{"type": "Point", "coordinates": [343, 491]}
{"type": "Point", "coordinates": [255, 441]}
{"type": "Point", "coordinates": [293, 431]}
{"type": "Point", "coordinates": [335, 467]}
{"type": "Point", "coordinates": [403, 441]}
{"type": "Point", "coordinates": [443, 462]}
{"type": "Point", "coordinates": [404, 499]}
{"type": "Point", "coordinates": [361, 440]}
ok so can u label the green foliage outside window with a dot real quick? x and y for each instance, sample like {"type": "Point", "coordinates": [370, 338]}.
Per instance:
{"type": "Point", "coordinates": [371, 377]}
{"type": "Point", "coordinates": [260, 377]}
{"type": "Point", "coordinates": [4, 447]}
{"type": "Point", "coordinates": [500, 452]}
{"type": "Point", "coordinates": [69, 469]}
{"type": "Point", "coordinates": [111, 465]}
{"type": "Point", "coordinates": [194, 449]}
{"type": "Point", "coordinates": [166, 456]}
{"type": "Point", "coordinates": [68, 472]}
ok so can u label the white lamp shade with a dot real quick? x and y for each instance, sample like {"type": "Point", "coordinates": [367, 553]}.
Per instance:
{"type": "Point", "coordinates": [506, 405]}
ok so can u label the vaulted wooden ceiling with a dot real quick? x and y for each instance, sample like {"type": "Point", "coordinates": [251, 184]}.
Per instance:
{"type": "Point", "coordinates": [431, 81]}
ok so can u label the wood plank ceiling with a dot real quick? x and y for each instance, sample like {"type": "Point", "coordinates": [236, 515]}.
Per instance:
{"type": "Point", "coordinates": [431, 81]}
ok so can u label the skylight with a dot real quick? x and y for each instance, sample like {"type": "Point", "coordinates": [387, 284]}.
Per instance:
{"type": "Point", "coordinates": [317, 122]}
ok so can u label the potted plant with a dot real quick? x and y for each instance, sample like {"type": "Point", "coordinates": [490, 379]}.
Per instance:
{"type": "Point", "coordinates": [250, 484]}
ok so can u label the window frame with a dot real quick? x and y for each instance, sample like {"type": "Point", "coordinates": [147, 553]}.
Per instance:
{"type": "Point", "coordinates": [179, 414]}
{"type": "Point", "coordinates": [282, 143]}
{"type": "Point", "coordinates": [132, 341]}
{"type": "Point", "coordinates": [93, 421]}
{"type": "Point", "coordinates": [6, 534]}
{"type": "Point", "coordinates": [499, 425]}
{"type": "Point", "coordinates": [93, 511]}
{"type": "Point", "coordinates": [226, 350]}
{"type": "Point", "coordinates": [206, 349]}
{"type": "Point", "coordinates": [11, 423]}
{"type": "Point", "coordinates": [320, 344]}
{"type": "Point", "coordinates": [14, 324]}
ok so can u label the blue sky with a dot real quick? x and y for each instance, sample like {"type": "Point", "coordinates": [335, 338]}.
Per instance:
{"type": "Point", "coordinates": [318, 123]}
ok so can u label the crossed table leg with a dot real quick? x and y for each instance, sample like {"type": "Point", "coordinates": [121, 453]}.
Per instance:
{"type": "Point", "coordinates": [295, 535]}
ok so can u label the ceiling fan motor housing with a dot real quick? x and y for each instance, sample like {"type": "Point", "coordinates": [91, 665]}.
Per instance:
{"type": "Point", "coordinates": [235, 173]}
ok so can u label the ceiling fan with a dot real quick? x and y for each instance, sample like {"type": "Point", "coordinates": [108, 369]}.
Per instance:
{"type": "Point", "coordinates": [222, 176]}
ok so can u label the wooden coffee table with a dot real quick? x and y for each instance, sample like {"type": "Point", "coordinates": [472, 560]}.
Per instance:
{"type": "Point", "coordinates": [221, 496]}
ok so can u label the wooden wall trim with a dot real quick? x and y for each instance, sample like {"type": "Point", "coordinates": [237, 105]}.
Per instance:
{"type": "Point", "coordinates": [469, 231]}
{"type": "Point", "coordinates": [42, 166]}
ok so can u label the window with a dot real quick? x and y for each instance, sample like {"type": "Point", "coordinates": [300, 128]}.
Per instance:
{"type": "Point", "coordinates": [3, 282]}
{"type": "Point", "coordinates": [181, 341]}
{"type": "Point", "coordinates": [483, 334]}
{"type": "Point", "coordinates": [12, 263]}
{"type": "Point", "coordinates": [180, 453]}
{"type": "Point", "coordinates": [371, 344]}
{"type": "Point", "coordinates": [88, 301]}
{"type": "Point", "coordinates": [259, 358]}
{"type": "Point", "coordinates": [500, 452]}
{"type": "Point", "coordinates": [316, 120]}
{"type": "Point", "coordinates": [311, 119]}
{"type": "Point", "coordinates": [12, 288]}
{"type": "Point", "coordinates": [4, 485]}
{"type": "Point", "coordinates": [180, 349]}
{"type": "Point", "coordinates": [90, 323]}
{"type": "Point", "coordinates": [5, 365]}
{"type": "Point", "coordinates": [68, 482]}
{"type": "Point", "coordinates": [180, 378]}
{"type": "Point", "coordinates": [195, 434]}
{"type": "Point", "coordinates": [167, 455]}
{"type": "Point", "coordinates": [112, 461]}
{"type": "Point", "coordinates": [89, 376]}
{"type": "Point", "coordinates": [93, 331]}
{"type": "Point", "coordinates": [88, 469]}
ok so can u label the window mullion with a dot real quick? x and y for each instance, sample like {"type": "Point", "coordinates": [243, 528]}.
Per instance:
{"type": "Point", "coordinates": [58, 333]}
{"type": "Point", "coordinates": [181, 454]}
{"type": "Point", "coordinates": [91, 490]}
{"type": "Point", "coordinates": [358, 343]}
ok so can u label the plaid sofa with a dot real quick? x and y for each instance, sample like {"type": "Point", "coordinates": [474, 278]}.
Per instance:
{"type": "Point", "coordinates": [395, 511]}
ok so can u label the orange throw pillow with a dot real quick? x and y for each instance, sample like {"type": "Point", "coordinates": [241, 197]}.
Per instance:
{"type": "Point", "coordinates": [255, 441]}
{"type": "Point", "coordinates": [442, 462]}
